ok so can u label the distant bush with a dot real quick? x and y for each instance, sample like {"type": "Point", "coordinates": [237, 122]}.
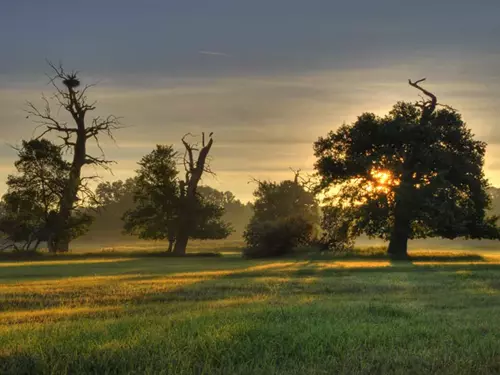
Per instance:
{"type": "Point", "coordinates": [276, 237]}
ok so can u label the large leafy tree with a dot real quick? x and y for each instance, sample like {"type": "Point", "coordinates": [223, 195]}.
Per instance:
{"type": "Point", "coordinates": [414, 173]}
{"type": "Point", "coordinates": [159, 198]}
{"type": "Point", "coordinates": [33, 196]}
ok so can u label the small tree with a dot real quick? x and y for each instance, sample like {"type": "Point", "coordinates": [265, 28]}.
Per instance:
{"type": "Point", "coordinates": [286, 215]}
{"type": "Point", "coordinates": [156, 195]}
{"type": "Point", "coordinates": [33, 195]}
{"type": "Point", "coordinates": [70, 96]}
{"type": "Point", "coordinates": [414, 173]}
{"type": "Point", "coordinates": [160, 203]}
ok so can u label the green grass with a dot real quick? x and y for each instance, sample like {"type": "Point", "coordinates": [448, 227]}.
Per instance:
{"type": "Point", "coordinates": [331, 315]}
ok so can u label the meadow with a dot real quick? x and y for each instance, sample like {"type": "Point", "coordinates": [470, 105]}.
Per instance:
{"type": "Point", "coordinates": [118, 312]}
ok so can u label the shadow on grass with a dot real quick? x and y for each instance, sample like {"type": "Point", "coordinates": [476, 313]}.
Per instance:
{"type": "Point", "coordinates": [40, 257]}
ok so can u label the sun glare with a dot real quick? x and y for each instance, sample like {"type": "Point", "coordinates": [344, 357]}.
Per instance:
{"type": "Point", "coordinates": [382, 181]}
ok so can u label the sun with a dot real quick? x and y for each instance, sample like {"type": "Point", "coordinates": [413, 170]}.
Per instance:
{"type": "Point", "coordinates": [382, 181]}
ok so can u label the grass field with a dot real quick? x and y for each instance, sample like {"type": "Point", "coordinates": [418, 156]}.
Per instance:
{"type": "Point", "coordinates": [359, 315]}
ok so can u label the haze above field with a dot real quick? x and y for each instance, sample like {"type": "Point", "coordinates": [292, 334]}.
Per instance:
{"type": "Point", "coordinates": [267, 77]}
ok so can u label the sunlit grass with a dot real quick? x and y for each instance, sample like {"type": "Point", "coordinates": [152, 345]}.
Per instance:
{"type": "Point", "coordinates": [437, 314]}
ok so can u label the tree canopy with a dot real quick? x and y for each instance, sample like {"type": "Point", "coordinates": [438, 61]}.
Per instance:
{"type": "Point", "coordinates": [32, 199]}
{"type": "Point", "coordinates": [158, 198]}
{"type": "Point", "coordinates": [416, 172]}
{"type": "Point", "coordinates": [285, 215]}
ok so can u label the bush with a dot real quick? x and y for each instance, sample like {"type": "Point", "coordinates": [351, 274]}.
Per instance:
{"type": "Point", "coordinates": [276, 237]}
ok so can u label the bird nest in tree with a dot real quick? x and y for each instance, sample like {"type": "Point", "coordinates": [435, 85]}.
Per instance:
{"type": "Point", "coordinates": [71, 81]}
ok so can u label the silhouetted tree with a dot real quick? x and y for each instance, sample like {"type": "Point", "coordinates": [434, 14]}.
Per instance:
{"type": "Point", "coordinates": [160, 204]}
{"type": "Point", "coordinates": [195, 164]}
{"type": "Point", "coordinates": [33, 196]}
{"type": "Point", "coordinates": [285, 215]}
{"type": "Point", "coordinates": [414, 173]}
{"type": "Point", "coordinates": [70, 96]}
{"type": "Point", "coordinates": [156, 197]}
{"type": "Point", "coordinates": [115, 198]}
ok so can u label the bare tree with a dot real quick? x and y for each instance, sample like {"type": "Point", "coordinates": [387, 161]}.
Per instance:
{"type": "Point", "coordinates": [72, 97]}
{"type": "Point", "coordinates": [195, 166]}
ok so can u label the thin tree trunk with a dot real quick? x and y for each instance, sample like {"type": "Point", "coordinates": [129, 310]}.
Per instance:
{"type": "Point", "coordinates": [37, 243]}
{"type": "Point", "coordinates": [51, 244]}
{"type": "Point", "coordinates": [170, 245]}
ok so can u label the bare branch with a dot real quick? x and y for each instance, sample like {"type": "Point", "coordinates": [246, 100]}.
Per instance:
{"type": "Point", "coordinates": [448, 107]}
{"type": "Point", "coordinates": [428, 106]}
{"type": "Point", "coordinates": [189, 161]}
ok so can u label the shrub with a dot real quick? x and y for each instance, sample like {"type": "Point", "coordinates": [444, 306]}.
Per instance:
{"type": "Point", "coordinates": [276, 237]}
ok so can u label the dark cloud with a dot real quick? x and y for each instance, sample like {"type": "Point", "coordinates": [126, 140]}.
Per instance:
{"type": "Point", "coordinates": [268, 77]}
{"type": "Point", "coordinates": [262, 37]}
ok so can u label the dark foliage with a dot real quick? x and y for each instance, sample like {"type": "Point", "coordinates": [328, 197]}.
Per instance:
{"type": "Point", "coordinates": [159, 203]}
{"type": "Point", "coordinates": [338, 231]}
{"type": "Point", "coordinates": [414, 173]}
{"type": "Point", "coordinates": [29, 208]}
{"type": "Point", "coordinates": [286, 215]}
{"type": "Point", "coordinates": [278, 237]}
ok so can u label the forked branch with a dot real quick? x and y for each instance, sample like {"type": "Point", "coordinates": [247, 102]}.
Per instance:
{"type": "Point", "coordinates": [427, 105]}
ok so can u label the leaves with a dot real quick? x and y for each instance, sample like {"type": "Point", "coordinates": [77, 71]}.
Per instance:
{"type": "Point", "coordinates": [33, 196]}
{"type": "Point", "coordinates": [158, 202]}
{"type": "Point", "coordinates": [435, 165]}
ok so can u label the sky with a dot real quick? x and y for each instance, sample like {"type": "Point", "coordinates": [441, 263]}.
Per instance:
{"type": "Point", "coordinates": [267, 77]}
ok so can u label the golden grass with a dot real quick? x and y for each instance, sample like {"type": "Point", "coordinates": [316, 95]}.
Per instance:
{"type": "Point", "coordinates": [45, 315]}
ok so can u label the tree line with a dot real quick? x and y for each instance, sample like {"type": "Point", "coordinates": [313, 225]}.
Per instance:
{"type": "Point", "coordinates": [416, 172]}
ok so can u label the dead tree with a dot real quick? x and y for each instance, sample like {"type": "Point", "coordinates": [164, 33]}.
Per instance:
{"type": "Point", "coordinates": [194, 166]}
{"type": "Point", "coordinates": [71, 96]}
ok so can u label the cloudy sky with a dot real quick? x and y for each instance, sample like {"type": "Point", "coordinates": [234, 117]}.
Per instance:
{"type": "Point", "coordinates": [266, 76]}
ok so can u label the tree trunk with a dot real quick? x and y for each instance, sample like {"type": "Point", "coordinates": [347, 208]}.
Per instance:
{"type": "Point", "coordinates": [181, 241]}
{"type": "Point", "coordinates": [170, 245]}
{"type": "Point", "coordinates": [398, 243]}
{"type": "Point", "coordinates": [70, 193]}
{"type": "Point", "coordinates": [194, 171]}
{"type": "Point", "coordinates": [60, 242]}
